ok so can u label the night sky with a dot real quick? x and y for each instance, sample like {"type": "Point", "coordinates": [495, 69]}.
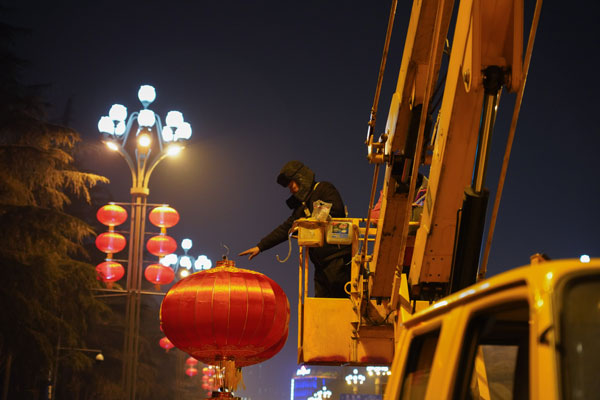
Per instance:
{"type": "Point", "coordinates": [264, 82]}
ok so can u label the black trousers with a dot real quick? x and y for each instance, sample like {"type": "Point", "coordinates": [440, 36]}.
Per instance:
{"type": "Point", "coordinates": [332, 274]}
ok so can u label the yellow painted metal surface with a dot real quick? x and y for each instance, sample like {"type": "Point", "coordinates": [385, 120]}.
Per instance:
{"type": "Point", "coordinates": [335, 339]}
{"type": "Point", "coordinates": [535, 285]}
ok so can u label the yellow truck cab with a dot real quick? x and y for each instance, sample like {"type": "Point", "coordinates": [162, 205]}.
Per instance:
{"type": "Point", "coordinates": [532, 332]}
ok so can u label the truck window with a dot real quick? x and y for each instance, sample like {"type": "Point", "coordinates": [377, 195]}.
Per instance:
{"type": "Point", "coordinates": [495, 355]}
{"type": "Point", "coordinates": [580, 331]}
{"type": "Point", "coordinates": [418, 366]}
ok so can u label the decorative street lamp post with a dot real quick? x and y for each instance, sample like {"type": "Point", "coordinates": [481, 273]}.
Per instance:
{"type": "Point", "coordinates": [354, 379]}
{"type": "Point", "coordinates": [143, 142]}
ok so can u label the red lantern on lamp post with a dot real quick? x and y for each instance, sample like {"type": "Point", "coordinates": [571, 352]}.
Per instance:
{"type": "Point", "coordinates": [164, 217]}
{"type": "Point", "coordinates": [109, 272]}
{"type": "Point", "coordinates": [191, 371]}
{"type": "Point", "coordinates": [111, 215]}
{"type": "Point", "coordinates": [161, 245]}
{"type": "Point", "coordinates": [159, 274]}
{"type": "Point", "coordinates": [110, 242]}
{"type": "Point", "coordinates": [244, 316]}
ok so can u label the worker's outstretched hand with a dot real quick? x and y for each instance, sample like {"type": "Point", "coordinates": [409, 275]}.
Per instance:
{"type": "Point", "coordinates": [253, 252]}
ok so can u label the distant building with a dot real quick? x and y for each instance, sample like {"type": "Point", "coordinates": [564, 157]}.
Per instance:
{"type": "Point", "coordinates": [307, 381]}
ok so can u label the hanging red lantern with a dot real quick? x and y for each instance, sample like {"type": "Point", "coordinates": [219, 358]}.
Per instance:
{"type": "Point", "coordinates": [226, 314]}
{"type": "Point", "coordinates": [161, 245]}
{"type": "Point", "coordinates": [109, 272]}
{"type": "Point", "coordinates": [191, 361]}
{"type": "Point", "coordinates": [166, 344]}
{"type": "Point", "coordinates": [110, 242]}
{"type": "Point", "coordinates": [205, 386]}
{"type": "Point", "coordinates": [191, 371]}
{"type": "Point", "coordinates": [111, 215]}
{"type": "Point", "coordinates": [164, 217]}
{"type": "Point", "coordinates": [159, 275]}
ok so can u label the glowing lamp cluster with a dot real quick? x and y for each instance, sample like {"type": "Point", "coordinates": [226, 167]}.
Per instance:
{"type": "Point", "coordinates": [110, 243]}
{"type": "Point", "coordinates": [226, 316]}
{"type": "Point", "coordinates": [117, 124]}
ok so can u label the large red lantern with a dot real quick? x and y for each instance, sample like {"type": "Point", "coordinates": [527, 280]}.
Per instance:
{"type": "Point", "coordinates": [191, 371]}
{"type": "Point", "coordinates": [111, 215]}
{"type": "Point", "coordinates": [164, 217]}
{"type": "Point", "coordinates": [226, 314]}
{"type": "Point", "coordinates": [159, 274]}
{"type": "Point", "coordinates": [109, 272]}
{"type": "Point", "coordinates": [110, 242]}
{"type": "Point", "coordinates": [166, 344]}
{"type": "Point", "coordinates": [161, 245]}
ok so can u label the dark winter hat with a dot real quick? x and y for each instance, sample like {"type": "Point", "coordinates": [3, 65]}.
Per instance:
{"type": "Point", "coordinates": [299, 173]}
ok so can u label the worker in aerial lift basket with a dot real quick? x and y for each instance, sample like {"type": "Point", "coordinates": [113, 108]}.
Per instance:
{"type": "Point", "coordinates": [332, 262]}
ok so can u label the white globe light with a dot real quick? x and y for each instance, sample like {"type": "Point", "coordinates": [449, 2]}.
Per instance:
{"type": "Point", "coordinates": [169, 259]}
{"type": "Point", "coordinates": [203, 262]}
{"type": "Point", "coordinates": [584, 258]}
{"type": "Point", "coordinates": [167, 134]}
{"type": "Point", "coordinates": [185, 262]}
{"type": "Point", "coordinates": [146, 118]}
{"type": "Point", "coordinates": [174, 118]}
{"type": "Point", "coordinates": [186, 244]}
{"type": "Point", "coordinates": [184, 272]}
{"type": "Point", "coordinates": [118, 112]}
{"type": "Point", "coordinates": [146, 94]}
{"type": "Point", "coordinates": [184, 131]}
{"type": "Point", "coordinates": [120, 128]}
{"type": "Point", "coordinates": [106, 125]}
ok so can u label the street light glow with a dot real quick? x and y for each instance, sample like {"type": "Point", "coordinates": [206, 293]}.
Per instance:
{"type": "Point", "coordinates": [118, 112]}
{"type": "Point", "coordinates": [174, 150]}
{"type": "Point", "coordinates": [146, 94]}
{"type": "Point", "coordinates": [186, 244]}
{"type": "Point", "coordinates": [184, 131]}
{"type": "Point", "coordinates": [120, 128]}
{"type": "Point", "coordinates": [184, 272]}
{"type": "Point", "coordinates": [174, 118]}
{"type": "Point", "coordinates": [106, 125]}
{"type": "Point", "coordinates": [169, 260]}
{"type": "Point", "coordinates": [203, 263]}
{"type": "Point", "coordinates": [584, 258]}
{"type": "Point", "coordinates": [144, 140]}
{"type": "Point", "coordinates": [112, 145]}
{"type": "Point", "coordinates": [146, 118]}
{"type": "Point", "coordinates": [167, 134]}
{"type": "Point", "coordinates": [185, 262]}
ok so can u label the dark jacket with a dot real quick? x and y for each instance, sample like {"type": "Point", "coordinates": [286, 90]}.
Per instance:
{"type": "Point", "coordinates": [302, 206]}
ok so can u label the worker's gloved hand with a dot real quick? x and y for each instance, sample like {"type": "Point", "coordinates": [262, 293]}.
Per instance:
{"type": "Point", "coordinates": [253, 252]}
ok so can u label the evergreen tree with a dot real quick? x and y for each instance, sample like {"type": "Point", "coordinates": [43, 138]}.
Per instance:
{"type": "Point", "coordinates": [45, 293]}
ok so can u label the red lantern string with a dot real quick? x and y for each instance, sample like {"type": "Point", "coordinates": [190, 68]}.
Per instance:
{"type": "Point", "coordinates": [159, 274]}
{"type": "Point", "coordinates": [161, 245]}
{"type": "Point", "coordinates": [110, 242]}
{"type": "Point", "coordinates": [164, 217]}
{"type": "Point", "coordinates": [109, 272]}
{"type": "Point", "coordinates": [111, 215]}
